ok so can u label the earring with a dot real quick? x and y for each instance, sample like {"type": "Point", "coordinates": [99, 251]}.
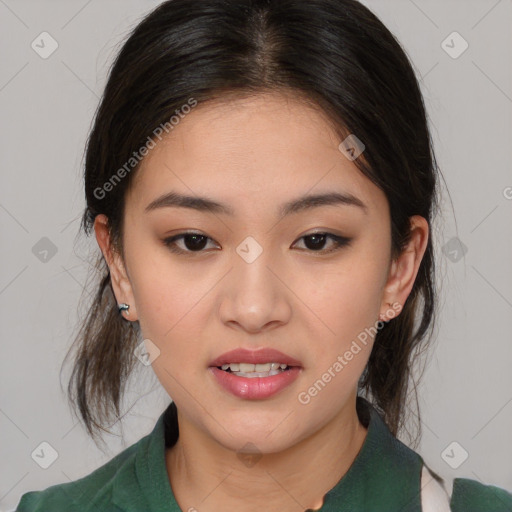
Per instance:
{"type": "Point", "coordinates": [123, 307]}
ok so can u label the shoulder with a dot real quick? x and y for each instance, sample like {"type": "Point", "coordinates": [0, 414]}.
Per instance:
{"type": "Point", "coordinates": [472, 496]}
{"type": "Point", "coordinates": [91, 492]}
{"type": "Point", "coordinates": [467, 495]}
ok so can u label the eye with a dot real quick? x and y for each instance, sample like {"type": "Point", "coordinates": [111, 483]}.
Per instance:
{"type": "Point", "coordinates": [196, 242]}
{"type": "Point", "coordinates": [315, 242]}
{"type": "Point", "coordinates": [193, 242]}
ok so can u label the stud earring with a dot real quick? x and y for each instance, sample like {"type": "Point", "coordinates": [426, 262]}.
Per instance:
{"type": "Point", "coordinates": [123, 307]}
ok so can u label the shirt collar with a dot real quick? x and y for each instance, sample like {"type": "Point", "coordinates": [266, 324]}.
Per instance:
{"type": "Point", "coordinates": [384, 476]}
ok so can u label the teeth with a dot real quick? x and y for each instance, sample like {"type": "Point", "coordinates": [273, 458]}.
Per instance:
{"type": "Point", "coordinates": [253, 369]}
{"type": "Point", "coordinates": [251, 375]}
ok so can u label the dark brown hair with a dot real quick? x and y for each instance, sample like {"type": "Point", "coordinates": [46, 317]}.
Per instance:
{"type": "Point", "coordinates": [336, 55]}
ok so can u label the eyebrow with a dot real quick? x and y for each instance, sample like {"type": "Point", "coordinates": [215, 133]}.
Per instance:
{"type": "Point", "coordinates": [205, 204]}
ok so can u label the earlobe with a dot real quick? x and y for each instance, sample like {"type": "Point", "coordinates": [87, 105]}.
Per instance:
{"type": "Point", "coordinates": [118, 275]}
{"type": "Point", "coordinates": [404, 268]}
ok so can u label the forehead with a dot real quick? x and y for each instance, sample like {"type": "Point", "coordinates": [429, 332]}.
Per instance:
{"type": "Point", "coordinates": [257, 149]}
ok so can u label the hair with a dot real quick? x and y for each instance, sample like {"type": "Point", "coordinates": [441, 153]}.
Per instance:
{"type": "Point", "coordinates": [335, 55]}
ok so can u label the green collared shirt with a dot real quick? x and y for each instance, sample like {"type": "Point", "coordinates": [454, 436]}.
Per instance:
{"type": "Point", "coordinates": [384, 477]}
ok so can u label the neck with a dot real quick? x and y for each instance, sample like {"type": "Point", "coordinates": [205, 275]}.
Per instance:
{"type": "Point", "coordinates": [207, 477]}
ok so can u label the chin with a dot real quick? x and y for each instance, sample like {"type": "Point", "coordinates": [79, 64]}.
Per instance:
{"type": "Point", "coordinates": [249, 434]}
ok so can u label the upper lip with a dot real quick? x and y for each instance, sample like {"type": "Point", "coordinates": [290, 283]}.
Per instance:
{"type": "Point", "coordinates": [261, 356]}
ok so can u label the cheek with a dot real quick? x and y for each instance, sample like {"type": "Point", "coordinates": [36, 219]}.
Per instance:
{"type": "Point", "coordinates": [347, 297]}
{"type": "Point", "coordinates": [173, 317]}
{"type": "Point", "coordinates": [171, 310]}
{"type": "Point", "coordinates": [347, 305]}
{"type": "Point", "coordinates": [168, 299]}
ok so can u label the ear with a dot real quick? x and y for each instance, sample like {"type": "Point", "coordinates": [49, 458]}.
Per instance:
{"type": "Point", "coordinates": [404, 269]}
{"type": "Point", "coordinates": [118, 275]}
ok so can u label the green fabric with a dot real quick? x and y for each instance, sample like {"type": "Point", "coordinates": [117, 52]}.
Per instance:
{"type": "Point", "coordinates": [471, 495]}
{"type": "Point", "coordinates": [384, 477]}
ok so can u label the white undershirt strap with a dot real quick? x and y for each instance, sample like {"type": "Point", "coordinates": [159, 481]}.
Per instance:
{"type": "Point", "coordinates": [434, 497]}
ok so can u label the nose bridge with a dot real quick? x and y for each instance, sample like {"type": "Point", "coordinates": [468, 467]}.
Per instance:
{"type": "Point", "coordinates": [255, 295]}
{"type": "Point", "coordinates": [252, 272]}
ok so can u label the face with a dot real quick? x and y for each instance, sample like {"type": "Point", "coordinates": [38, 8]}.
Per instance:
{"type": "Point", "coordinates": [305, 281]}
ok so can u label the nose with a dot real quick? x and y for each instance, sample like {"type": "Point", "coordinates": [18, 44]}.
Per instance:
{"type": "Point", "coordinates": [255, 295]}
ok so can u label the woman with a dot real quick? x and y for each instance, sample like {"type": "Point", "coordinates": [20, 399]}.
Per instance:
{"type": "Point", "coordinates": [261, 183]}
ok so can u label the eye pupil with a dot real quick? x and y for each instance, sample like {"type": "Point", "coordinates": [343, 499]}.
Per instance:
{"type": "Point", "coordinates": [320, 240]}
{"type": "Point", "coordinates": [195, 245]}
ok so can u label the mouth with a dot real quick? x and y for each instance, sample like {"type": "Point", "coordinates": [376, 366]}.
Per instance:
{"type": "Point", "coordinates": [263, 360]}
{"type": "Point", "coordinates": [255, 374]}
{"type": "Point", "coordinates": [251, 371]}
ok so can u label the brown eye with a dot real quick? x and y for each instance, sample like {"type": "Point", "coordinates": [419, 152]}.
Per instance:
{"type": "Point", "coordinates": [196, 242]}
{"type": "Point", "coordinates": [192, 242]}
{"type": "Point", "coordinates": [315, 242]}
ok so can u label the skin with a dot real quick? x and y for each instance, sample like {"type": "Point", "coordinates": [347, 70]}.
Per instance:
{"type": "Point", "coordinates": [255, 154]}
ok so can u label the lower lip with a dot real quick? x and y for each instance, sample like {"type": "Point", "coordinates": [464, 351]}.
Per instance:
{"type": "Point", "coordinates": [255, 388]}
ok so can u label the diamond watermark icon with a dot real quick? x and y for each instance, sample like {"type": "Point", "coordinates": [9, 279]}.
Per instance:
{"type": "Point", "coordinates": [249, 455]}
{"type": "Point", "coordinates": [44, 250]}
{"type": "Point", "coordinates": [146, 352]}
{"type": "Point", "coordinates": [454, 455]}
{"type": "Point", "coordinates": [352, 147]}
{"type": "Point", "coordinates": [44, 45]}
{"type": "Point", "coordinates": [454, 250]}
{"type": "Point", "coordinates": [454, 45]}
{"type": "Point", "coordinates": [249, 250]}
{"type": "Point", "coordinates": [45, 455]}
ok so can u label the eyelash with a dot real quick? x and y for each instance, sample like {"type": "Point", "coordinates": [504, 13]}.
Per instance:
{"type": "Point", "coordinates": [339, 243]}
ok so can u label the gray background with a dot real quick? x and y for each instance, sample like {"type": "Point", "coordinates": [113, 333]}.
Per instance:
{"type": "Point", "coordinates": [46, 109]}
